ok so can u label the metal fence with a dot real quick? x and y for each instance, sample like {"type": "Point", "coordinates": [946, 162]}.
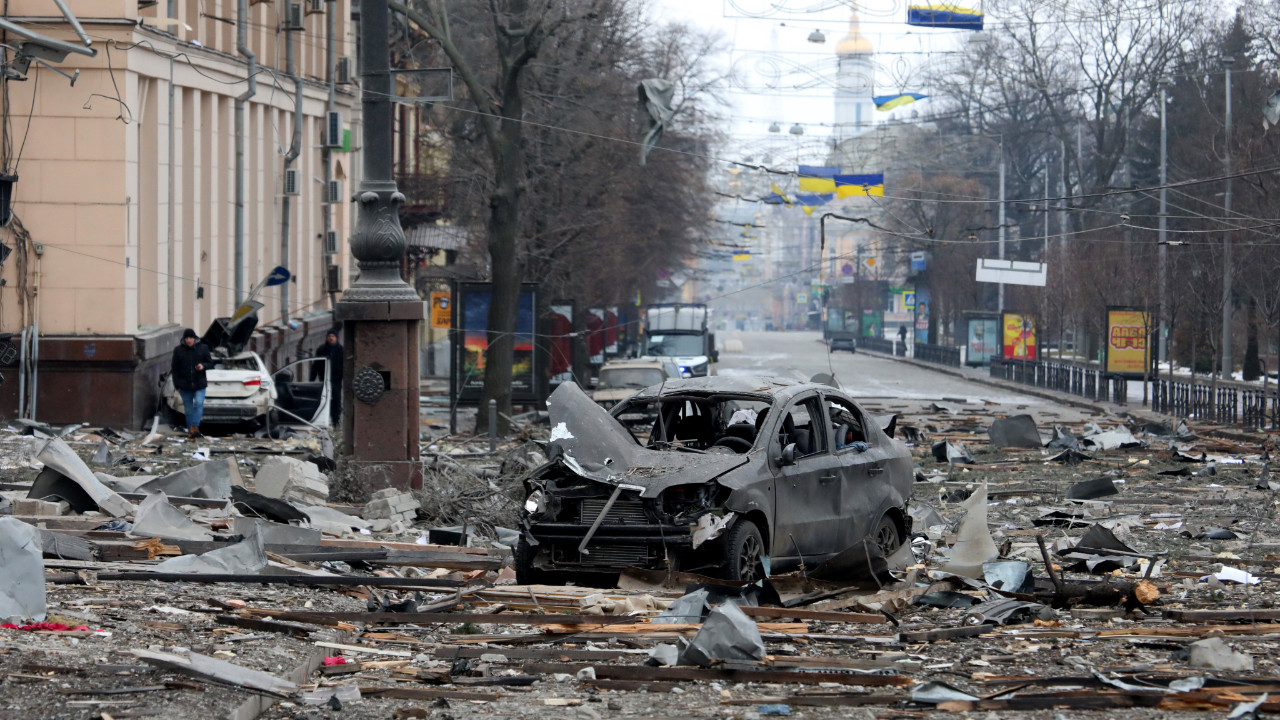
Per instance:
{"type": "Point", "coordinates": [879, 345]}
{"type": "Point", "coordinates": [940, 354]}
{"type": "Point", "coordinates": [1083, 380]}
{"type": "Point", "coordinates": [1223, 402]}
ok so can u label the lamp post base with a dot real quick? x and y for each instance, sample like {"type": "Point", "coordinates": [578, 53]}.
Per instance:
{"type": "Point", "coordinates": [380, 423]}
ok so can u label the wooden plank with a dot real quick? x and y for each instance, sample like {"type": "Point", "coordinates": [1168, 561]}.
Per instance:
{"type": "Point", "coordinates": [818, 615]}
{"type": "Point", "coordinates": [413, 693]}
{"type": "Point", "coordinates": [689, 674]}
{"type": "Point", "coordinates": [1222, 616]}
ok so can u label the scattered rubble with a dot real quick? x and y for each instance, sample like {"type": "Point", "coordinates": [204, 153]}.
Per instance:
{"type": "Point", "coordinates": [167, 586]}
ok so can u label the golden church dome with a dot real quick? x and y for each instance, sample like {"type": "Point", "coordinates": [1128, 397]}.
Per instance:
{"type": "Point", "coordinates": [855, 43]}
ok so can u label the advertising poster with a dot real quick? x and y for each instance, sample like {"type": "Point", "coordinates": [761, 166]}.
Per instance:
{"type": "Point", "coordinates": [1127, 341]}
{"type": "Point", "coordinates": [474, 318]}
{"type": "Point", "coordinates": [984, 340]}
{"type": "Point", "coordinates": [441, 310]}
{"type": "Point", "coordinates": [1019, 337]}
{"type": "Point", "coordinates": [595, 336]}
{"type": "Point", "coordinates": [922, 315]}
{"type": "Point", "coordinates": [611, 331]}
{"type": "Point", "coordinates": [560, 327]}
{"type": "Point", "coordinates": [872, 323]}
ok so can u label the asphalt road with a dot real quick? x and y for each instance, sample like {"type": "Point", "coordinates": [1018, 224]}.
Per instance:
{"type": "Point", "coordinates": [873, 379]}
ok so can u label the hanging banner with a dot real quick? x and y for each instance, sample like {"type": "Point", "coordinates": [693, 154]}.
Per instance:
{"type": "Point", "coordinates": [560, 328]}
{"type": "Point", "coordinates": [595, 336]}
{"type": "Point", "coordinates": [922, 315]}
{"type": "Point", "coordinates": [1019, 337]}
{"type": "Point", "coordinates": [1127, 330]}
{"type": "Point", "coordinates": [441, 310]}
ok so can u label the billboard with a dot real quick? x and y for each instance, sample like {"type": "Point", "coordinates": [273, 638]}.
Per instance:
{"type": "Point", "coordinates": [473, 301]}
{"type": "Point", "coordinates": [1019, 337]}
{"type": "Point", "coordinates": [872, 323]}
{"type": "Point", "coordinates": [1127, 330]}
{"type": "Point", "coordinates": [983, 341]}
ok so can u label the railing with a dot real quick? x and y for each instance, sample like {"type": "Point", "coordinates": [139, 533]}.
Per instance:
{"type": "Point", "coordinates": [940, 354]}
{"type": "Point", "coordinates": [1082, 380]}
{"type": "Point", "coordinates": [1223, 402]}
{"type": "Point", "coordinates": [879, 345]}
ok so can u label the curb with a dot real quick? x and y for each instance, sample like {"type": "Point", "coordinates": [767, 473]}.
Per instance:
{"type": "Point", "coordinates": [1060, 398]}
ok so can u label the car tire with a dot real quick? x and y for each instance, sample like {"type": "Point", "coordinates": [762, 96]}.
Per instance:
{"type": "Point", "coordinates": [744, 553]}
{"type": "Point", "coordinates": [887, 535]}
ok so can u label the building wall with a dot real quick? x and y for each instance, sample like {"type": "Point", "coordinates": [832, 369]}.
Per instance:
{"type": "Point", "coordinates": [117, 237]}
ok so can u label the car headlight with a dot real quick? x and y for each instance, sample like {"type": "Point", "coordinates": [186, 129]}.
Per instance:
{"type": "Point", "coordinates": [535, 502]}
{"type": "Point", "coordinates": [699, 369]}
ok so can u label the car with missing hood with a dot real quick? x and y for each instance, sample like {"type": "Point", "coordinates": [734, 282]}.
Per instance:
{"type": "Point", "coordinates": [243, 391]}
{"type": "Point", "coordinates": [737, 477]}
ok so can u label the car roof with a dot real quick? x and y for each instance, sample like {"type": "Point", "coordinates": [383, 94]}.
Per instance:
{"type": "Point", "coordinates": [777, 388]}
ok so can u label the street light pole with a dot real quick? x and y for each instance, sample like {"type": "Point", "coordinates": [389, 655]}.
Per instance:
{"type": "Point", "coordinates": [1000, 291]}
{"type": "Point", "coordinates": [1227, 365]}
{"type": "Point", "coordinates": [380, 311]}
{"type": "Point", "coordinates": [1163, 329]}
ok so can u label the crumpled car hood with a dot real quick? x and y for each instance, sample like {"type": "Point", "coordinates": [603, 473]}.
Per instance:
{"type": "Point", "coordinates": [591, 443]}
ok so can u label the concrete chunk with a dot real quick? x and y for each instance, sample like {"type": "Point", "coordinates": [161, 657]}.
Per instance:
{"type": "Point", "coordinates": [292, 479]}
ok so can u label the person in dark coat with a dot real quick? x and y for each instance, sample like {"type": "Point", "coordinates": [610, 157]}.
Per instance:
{"type": "Point", "coordinates": [191, 360]}
{"type": "Point", "coordinates": [332, 350]}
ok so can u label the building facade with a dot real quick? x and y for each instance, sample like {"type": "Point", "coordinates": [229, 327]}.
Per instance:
{"type": "Point", "coordinates": [124, 227]}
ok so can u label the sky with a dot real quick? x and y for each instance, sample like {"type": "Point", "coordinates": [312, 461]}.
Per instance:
{"type": "Point", "coordinates": [776, 40]}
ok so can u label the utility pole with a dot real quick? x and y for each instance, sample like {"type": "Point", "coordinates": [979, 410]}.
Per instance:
{"type": "Point", "coordinates": [380, 312]}
{"type": "Point", "coordinates": [295, 149]}
{"type": "Point", "coordinates": [326, 153]}
{"type": "Point", "coordinates": [1227, 366]}
{"type": "Point", "coordinates": [1000, 290]}
{"type": "Point", "coordinates": [1163, 328]}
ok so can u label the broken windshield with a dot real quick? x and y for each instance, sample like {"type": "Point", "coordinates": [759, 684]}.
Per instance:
{"type": "Point", "coordinates": [630, 377]}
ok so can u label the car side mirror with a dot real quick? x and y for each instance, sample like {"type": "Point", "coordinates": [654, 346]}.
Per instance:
{"type": "Point", "coordinates": [788, 457]}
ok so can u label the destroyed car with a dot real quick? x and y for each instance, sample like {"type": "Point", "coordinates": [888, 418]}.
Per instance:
{"type": "Point", "coordinates": [242, 391]}
{"type": "Point", "coordinates": [736, 477]}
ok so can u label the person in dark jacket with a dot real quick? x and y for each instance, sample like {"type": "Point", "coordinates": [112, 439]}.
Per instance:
{"type": "Point", "coordinates": [332, 350]}
{"type": "Point", "coordinates": [191, 359]}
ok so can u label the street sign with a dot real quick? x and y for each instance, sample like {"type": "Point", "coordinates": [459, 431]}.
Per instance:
{"type": "Point", "coordinates": [802, 298]}
{"type": "Point", "coordinates": [917, 261]}
{"type": "Point", "coordinates": [909, 300]}
{"type": "Point", "coordinates": [869, 262]}
{"type": "Point", "coordinates": [846, 269]}
{"type": "Point", "coordinates": [278, 276]}
{"type": "Point", "coordinates": [1011, 272]}
{"type": "Point", "coordinates": [440, 310]}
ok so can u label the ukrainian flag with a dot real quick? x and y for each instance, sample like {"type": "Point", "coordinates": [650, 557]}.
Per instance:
{"type": "Point", "coordinates": [742, 256]}
{"type": "Point", "coordinates": [889, 102]}
{"type": "Point", "coordinates": [859, 185]}
{"type": "Point", "coordinates": [944, 16]}
{"type": "Point", "coordinates": [777, 197]}
{"type": "Point", "coordinates": [818, 179]}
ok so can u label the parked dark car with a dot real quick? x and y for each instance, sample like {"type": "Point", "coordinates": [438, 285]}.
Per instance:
{"type": "Point", "coordinates": [738, 477]}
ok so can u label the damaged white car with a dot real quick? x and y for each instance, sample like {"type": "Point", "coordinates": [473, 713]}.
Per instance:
{"type": "Point", "coordinates": [737, 477]}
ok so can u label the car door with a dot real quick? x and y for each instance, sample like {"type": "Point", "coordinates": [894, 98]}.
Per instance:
{"type": "Point", "coordinates": [807, 495]}
{"type": "Point", "coordinates": [865, 492]}
{"type": "Point", "coordinates": [302, 392]}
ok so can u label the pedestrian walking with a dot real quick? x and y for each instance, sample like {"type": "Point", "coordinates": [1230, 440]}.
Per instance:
{"type": "Point", "coordinates": [902, 338]}
{"type": "Point", "coordinates": [191, 360]}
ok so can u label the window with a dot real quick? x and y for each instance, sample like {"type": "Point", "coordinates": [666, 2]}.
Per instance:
{"type": "Point", "coordinates": [798, 427]}
{"type": "Point", "coordinates": [847, 424]}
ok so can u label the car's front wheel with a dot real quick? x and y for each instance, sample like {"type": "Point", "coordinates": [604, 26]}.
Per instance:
{"type": "Point", "coordinates": [887, 536]}
{"type": "Point", "coordinates": [744, 550]}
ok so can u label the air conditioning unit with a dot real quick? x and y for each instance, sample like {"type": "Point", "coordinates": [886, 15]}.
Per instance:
{"type": "Point", "coordinates": [331, 242]}
{"type": "Point", "coordinates": [315, 7]}
{"type": "Point", "coordinates": [333, 130]}
{"type": "Point", "coordinates": [335, 192]}
{"type": "Point", "coordinates": [291, 182]}
{"type": "Point", "coordinates": [344, 71]}
{"type": "Point", "coordinates": [334, 279]}
{"type": "Point", "coordinates": [293, 18]}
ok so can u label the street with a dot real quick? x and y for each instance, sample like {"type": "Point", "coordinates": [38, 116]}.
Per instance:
{"type": "Point", "coordinates": [880, 383]}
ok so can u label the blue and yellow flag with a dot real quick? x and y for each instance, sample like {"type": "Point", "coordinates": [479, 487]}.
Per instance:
{"type": "Point", "coordinates": [742, 256]}
{"type": "Point", "coordinates": [777, 197]}
{"type": "Point", "coordinates": [889, 102]}
{"type": "Point", "coordinates": [817, 179]}
{"type": "Point", "coordinates": [944, 16]}
{"type": "Point", "coordinates": [859, 185]}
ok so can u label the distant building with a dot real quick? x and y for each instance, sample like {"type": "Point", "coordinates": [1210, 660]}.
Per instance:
{"type": "Point", "coordinates": [855, 83]}
{"type": "Point", "coordinates": [119, 242]}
